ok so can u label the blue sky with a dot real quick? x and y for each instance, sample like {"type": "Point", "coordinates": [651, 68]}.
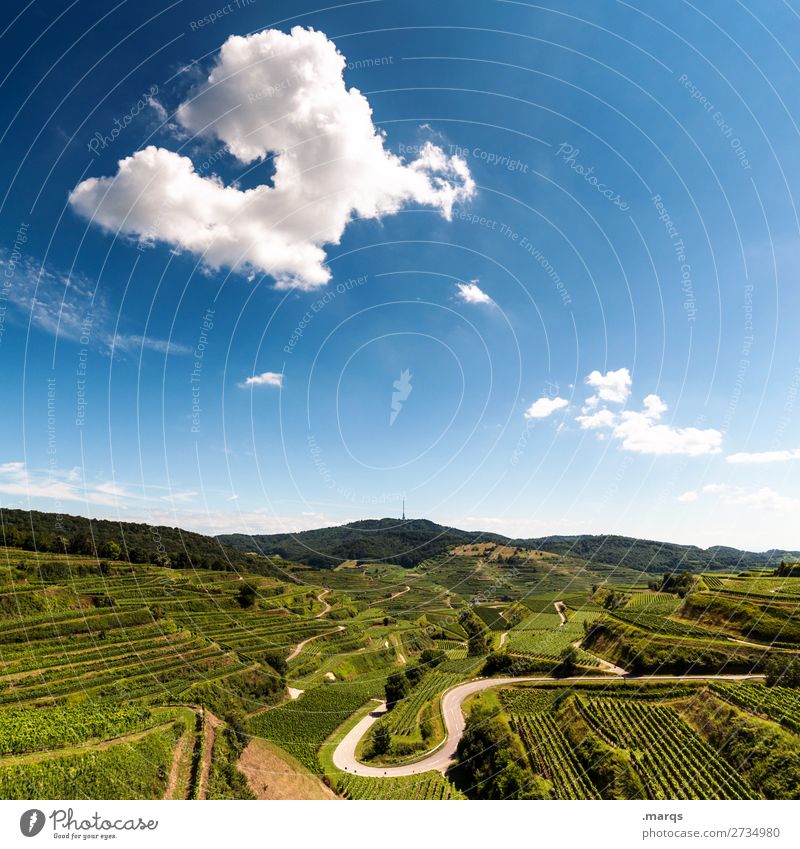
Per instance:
{"type": "Point", "coordinates": [532, 268]}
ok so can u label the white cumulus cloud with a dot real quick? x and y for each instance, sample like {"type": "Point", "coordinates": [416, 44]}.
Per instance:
{"type": "Point", "coordinates": [640, 432]}
{"type": "Point", "coordinates": [613, 386]}
{"type": "Point", "coordinates": [471, 293]}
{"type": "Point", "coordinates": [544, 407]}
{"type": "Point", "coordinates": [593, 421]}
{"type": "Point", "coordinates": [266, 378]}
{"type": "Point", "coordinates": [281, 95]}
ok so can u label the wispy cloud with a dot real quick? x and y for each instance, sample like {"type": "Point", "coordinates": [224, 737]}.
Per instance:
{"type": "Point", "coordinates": [744, 458]}
{"type": "Point", "coordinates": [70, 307]}
{"type": "Point", "coordinates": [761, 498]}
{"type": "Point", "coordinates": [70, 485]}
{"type": "Point", "coordinates": [266, 378]}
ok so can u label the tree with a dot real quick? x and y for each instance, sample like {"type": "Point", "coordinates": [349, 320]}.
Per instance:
{"type": "Point", "coordinates": [478, 639]}
{"type": "Point", "coordinates": [567, 663]}
{"type": "Point", "coordinates": [110, 550]}
{"type": "Point", "coordinates": [247, 595]}
{"type": "Point", "coordinates": [381, 739]}
{"type": "Point", "coordinates": [491, 757]}
{"type": "Point", "coordinates": [396, 688]}
{"type": "Point", "coordinates": [414, 674]}
{"type": "Point", "coordinates": [432, 657]}
{"type": "Point", "coordinates": [783, 671]}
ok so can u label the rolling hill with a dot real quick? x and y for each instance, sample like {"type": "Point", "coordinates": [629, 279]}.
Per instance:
{"type": "Point", "coordinates": [411, 541]}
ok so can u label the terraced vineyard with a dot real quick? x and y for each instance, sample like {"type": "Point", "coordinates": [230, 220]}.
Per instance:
{"type": "Point", "coordinates": [542, 635]}
{"type": "Point", "coordinates": [402, 719]}
{"type": "Point", "coordinates": [551, 756]}
{"type": "Point", "coordinates": [781, 704]}
{"type": "Point", "coordinates": [428, 785]}
{"type": "Point", "coordinates": [146, 680]}
{"type": "Point", "coordinates": [672, 760]}
{"type": "Point", "coordinates": [302, 726]}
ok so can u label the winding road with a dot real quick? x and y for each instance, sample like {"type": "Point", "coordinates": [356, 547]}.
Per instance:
{"type": "Point", "coordinates": [441, 758]}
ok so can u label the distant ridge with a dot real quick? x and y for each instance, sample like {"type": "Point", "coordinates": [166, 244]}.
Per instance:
{"type": "Point", "coordinates": [406, 542]}
{"type": "Point", "coordinates": [413, 540]}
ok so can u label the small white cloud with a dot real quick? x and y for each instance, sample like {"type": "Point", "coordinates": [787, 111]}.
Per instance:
{"type": "Point", "coordinates": [602, 418]}
{"type": "Point", "coordinates": [764, 456]}
{"type": "Point", "coordinates": [613, 386]}
{"type": "Point", "coordinates": [266, 378]}
{"type": "Point", "coordinates": [471, 293]}
{"type": "Point", "coordinates": [688, 497]}
{"type": "Point", "coordinates": [545, 407]}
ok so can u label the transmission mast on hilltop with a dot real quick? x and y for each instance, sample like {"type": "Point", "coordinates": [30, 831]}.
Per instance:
{"type": "Point", "coordinates": [404, 509]}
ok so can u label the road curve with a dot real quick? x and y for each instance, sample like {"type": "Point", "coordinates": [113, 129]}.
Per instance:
{"type": "Point", "coordinates": [344, 756]}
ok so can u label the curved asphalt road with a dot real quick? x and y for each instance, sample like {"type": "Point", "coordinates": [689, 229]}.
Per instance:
{"type": "Point", "coordinates": [344, 756]}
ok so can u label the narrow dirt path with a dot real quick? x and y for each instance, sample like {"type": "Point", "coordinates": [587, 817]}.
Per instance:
{"type": "Point", "coordinates": [399, 593]}
{"type": "Point", "coordinates": [503, 638]}
{"type": "Point", "coordinates": [604, 664]}
{"type": "Point", "coordinates": [299, 647]}
{"type": "Point", "coordinates": [180, 757]}
{"type": "Point", "coordinates": [560, 608]}
{"type": "Point", "coordinates": [212, 723]}
{"type": "Point", "coordinates": [321, 597]}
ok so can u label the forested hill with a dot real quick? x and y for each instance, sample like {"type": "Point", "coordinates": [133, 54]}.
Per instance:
{"type": "Point", "coordinates": [652, 556]}
{"type": "Point", "coordinates": [132, 541]}
{"type": "Point", "coordinates": [406, 542]}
